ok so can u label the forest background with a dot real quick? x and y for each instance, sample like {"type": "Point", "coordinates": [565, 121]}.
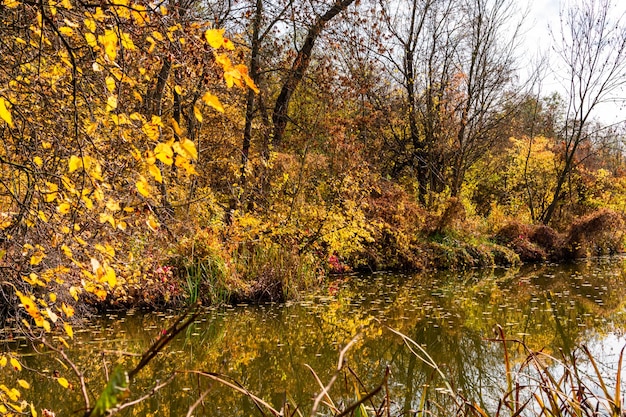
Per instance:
{"type": "Point", "coordinates": [162, 153]}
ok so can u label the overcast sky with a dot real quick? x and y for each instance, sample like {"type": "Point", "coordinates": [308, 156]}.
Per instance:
{"type": "Point", "coordinates": [544, 15]}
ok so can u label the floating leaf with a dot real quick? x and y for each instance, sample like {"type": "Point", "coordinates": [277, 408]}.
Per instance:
{"type": "Point", "coordinates": [15, 364]}
{"type": "Point", "coordinates": [63, 382]}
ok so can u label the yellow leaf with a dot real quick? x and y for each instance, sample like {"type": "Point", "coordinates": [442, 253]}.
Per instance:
{"type": "Point", "coordinates": [151, 41]}
{"type": "Point", "coordinates": [127, 42]}
{"type": "Point", "coordinates": [63, 382]}
{"type": "Point", "coordinates": [110, 82]}
{"type": "Point", "coordinates": [3, 361]}
{"type": "Point", "coordinates": [138, 12]}
{"type": "Point", "coordinates": [37, 258]}
{"type": "Point", "coordinates": [111, 103]}
{"type": "Point", "coordinates": [178, 90]}
{"type": "Point", "coordinates": [74, 291]}
{"type": "Point", "coordinates": [64, 342]}
{"type": "Point", "coordinates": [213, 101]}
{"type": "Point", "coordinates": [5, 114]}
{"type": "Point", "coordinates": [157, 35]}
{"type": "Point", "coordinates": [152, 223]}
{"type": "Point", "coordinates": [52, 315]}
{"type": "Point", "coordinates": [189, 148]}
{"type": "Point", "coordinates": [11, 4]}
{"type": "Point", "coordinates": [215, 38]}
{"type": "Point", "coordinates": [66, 30]}
{"type": "Point", "coordinates": [151, 130]}
{"type": "Point", "coordinates": [75, 163]}
{"type": "Point", "coordinates": [69, 330]}
{"type": "Point", "coordinates": [143, 187]}
{"type": "Point", "coordinates": [109, 276]}
{"type": "Point", "coordinates": [90, 24]}
{"type": "Point", "coordinates": [197, 113]}
{"type": "Point", "coordinates": [53, 297]}
{"type": "Point", "coordinates": [113, 205]}
{"type": "Point", "coordinates": [87, 201]}
{"type": "Point", "coordinates": [91, 39]}
{"type": "Point", "coordinates": [42, 216]}
{"type": "Point", "coordinates": [15, 364]}
{"type": "Point", "coordinates": [23, 384]}
{"type": "Point", "coordinates": [186, 165]}
{"type": "Point", "coordinates": [224, 61]}
{"type": "Point", "coordinates": [51, 194]}
{"type": "Point", "coordinates": [155, 172]}
{"type": "Point", "coordinates": [176, 127]}
{"type": "Point", "coordinates": [164, 153]}
{"type": "Point", "coordinates": [150, 157]}
{"type": "Point", "coordinates": [33, 412]}
{"type": "Point", "coordinates": [109, 41]}
{"type": "Point", "coordinates": [68, 310]}
{"type": "Point", "coordinates": [38, 161]}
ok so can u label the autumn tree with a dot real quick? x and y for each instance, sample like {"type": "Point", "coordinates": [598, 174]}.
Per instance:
{"type": "Point", "coordinates": [591, 49]}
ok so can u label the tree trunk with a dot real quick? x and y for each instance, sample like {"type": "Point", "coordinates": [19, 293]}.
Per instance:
{"type": "Point", "coordinates": [299, 67]}
{"type": "Point", "coordinates": [254, 74]}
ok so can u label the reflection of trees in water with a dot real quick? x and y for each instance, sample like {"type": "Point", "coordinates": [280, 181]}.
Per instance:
{"type": "Point", "coordinates": [265, 348]}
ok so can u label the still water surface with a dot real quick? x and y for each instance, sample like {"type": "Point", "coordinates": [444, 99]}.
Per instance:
{"type": "Point", "coordinates": [267, 348]}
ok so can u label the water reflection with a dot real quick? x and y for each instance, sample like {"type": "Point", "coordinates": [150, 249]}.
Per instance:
{"type": "Point", "coordinates": [265, 348]}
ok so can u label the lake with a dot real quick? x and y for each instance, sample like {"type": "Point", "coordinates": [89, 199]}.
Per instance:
{"type": "Point", "coordinates": [282, 352]}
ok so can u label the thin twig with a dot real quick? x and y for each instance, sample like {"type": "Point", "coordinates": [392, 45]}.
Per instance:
{"type": "Point", "coordinates": [218, 378]}
{"type": "Point", "coordinates": [144, 397]}
{"type": "Point", "coordinates": [198, 402]}
{"type": "Point", "coordinates": [79, 375]}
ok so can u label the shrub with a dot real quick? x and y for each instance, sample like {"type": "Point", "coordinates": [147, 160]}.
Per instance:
{"type": "Point", "coordinates": [599, 233]}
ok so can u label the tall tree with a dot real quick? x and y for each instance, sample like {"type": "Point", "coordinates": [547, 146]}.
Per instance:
{"type": "Point", "coordinates": [298, 69]}
{"type": "Point", "coordinates": [592, 54]}
{"type": "Point", "coordinates": [487, 64]}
